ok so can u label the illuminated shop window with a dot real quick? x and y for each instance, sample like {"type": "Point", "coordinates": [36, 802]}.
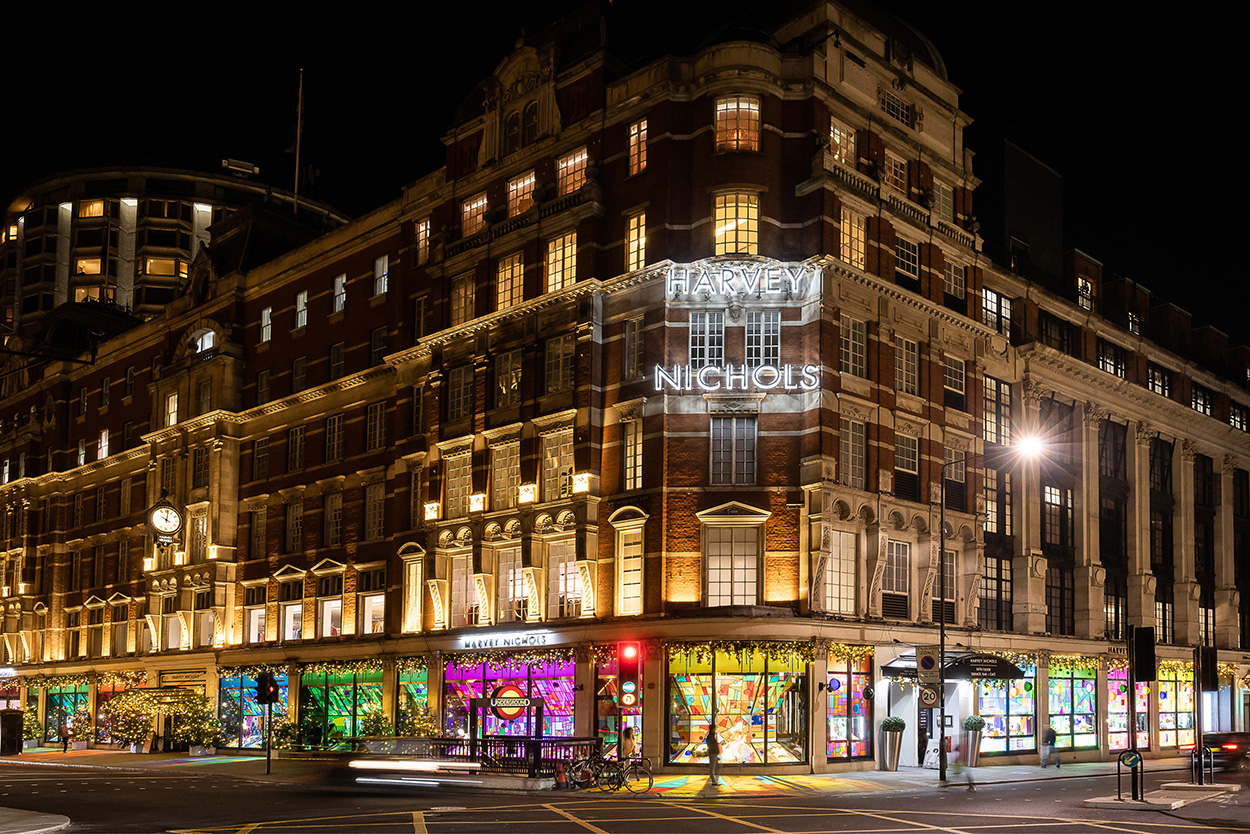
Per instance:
{"type": "Point", "coordinates": [553, 681]}
{"type": "Point", "coordinates": [738, 123]}
{"type": "Point", "coordinates": [848, 714]}
{"type": "Point", "coordinates": [1176, 707]}
{"type": "Point", "coordinates": [332, 706]}
{"type": "Point", "coordinates": [736, 222]}
{"type": "Point", "coordinates": [1009, 708]}
{"type": "Point", "coordinates": [1117, 711]}
{"type": "Point", "coordinates": [242, 719]}
{"type": "Point", "coordinates": [1073, 702]}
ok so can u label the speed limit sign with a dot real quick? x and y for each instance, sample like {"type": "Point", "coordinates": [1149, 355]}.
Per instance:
{"type": "Point", "coordinates": [928, 696]}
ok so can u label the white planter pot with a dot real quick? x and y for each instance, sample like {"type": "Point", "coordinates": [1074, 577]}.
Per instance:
{"type": "Point", "coordinates": [30, 743]}
{"type": "Point", "coordinates": [201, 750]}
{"type": "Point", "coordinates": [78, 745]}
{"type": "Point", "coordinates": [137, 747]}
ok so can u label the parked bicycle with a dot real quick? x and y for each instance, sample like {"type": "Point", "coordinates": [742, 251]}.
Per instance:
{"type": "Point", "coordinates": [634, 775]}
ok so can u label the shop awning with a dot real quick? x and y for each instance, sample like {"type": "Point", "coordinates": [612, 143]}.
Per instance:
{"type": "Point", "coordinates": [960, 665]}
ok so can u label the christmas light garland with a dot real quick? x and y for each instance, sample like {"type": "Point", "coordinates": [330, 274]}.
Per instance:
{"type": "Point", "coordinates": [849, 652]}
{"type": "Point", "coordinates": [504, 657]}
{"type": "Point", "coordinates": [769, 649]}
{"type": "Point", "coordinates": [411, 665]}
{"type": "Point", "coordinates": [1072, 663]}
{"type": "Point", "coordinates": [252, 670]}
{"type": "Point", "coordinates": [343, 667]}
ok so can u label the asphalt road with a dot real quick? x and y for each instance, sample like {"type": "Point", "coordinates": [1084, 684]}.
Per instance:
{"type": "Point", "coordinates": [121, 802]}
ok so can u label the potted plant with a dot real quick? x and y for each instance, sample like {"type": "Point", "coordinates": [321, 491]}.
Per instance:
{"type": "Point", "coordinates": [79, 726]}
{"type": "Point", "coordinates": [418, 724]}
{"type": "Point", "coordinates": [196, 725]}
{"type": "Point", "coordinates": [892, 727]}
{"type": "Point", "coordinates": [375, 724]}
{"type": "Point", "coordinates": [973, 725]}
{"type": "Point", "coordinates": [32, 729]}
{"type": "Point", "coordinates": [284, 732]}
{"type": "Point", "coordinates": [129, 719]}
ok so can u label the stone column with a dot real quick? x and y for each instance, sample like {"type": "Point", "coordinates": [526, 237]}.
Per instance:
{"type": "Point", "coordinates": [1028, 565]}
{"type": "Point", "coordinates": [818, 695]}
{"type": "Point", "coordinates": [1141, 608]}
{"type": "Point", "coordinates": [1227, 631]}
{"type": "Point", "coordinates": [390, 691]}
{"type": "Point", "coordinates": [875, 543]}
{"type": "Point", "coordinates": [1088, 574]}
{"type": "Point", "coordinates": [1186, 587]}
{"type": "Point", "coordinates": [654, 731]}
{"type": "Point", "coordinates": [584, 717]}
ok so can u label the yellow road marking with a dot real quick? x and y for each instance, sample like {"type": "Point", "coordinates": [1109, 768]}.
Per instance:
{"type": "Point", "coordinates": [732, 819]}
{"type": "Point", "coordinates": [581, 822]}
{"type": "Point", "coordinates": [418, 823]}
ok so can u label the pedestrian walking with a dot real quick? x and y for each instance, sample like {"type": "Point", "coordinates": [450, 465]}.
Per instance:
{"type": "Point", "coordinates": [63, 734]}
{"type": "Point", "coordinates": [713, 756]}
{"type": "Point", "coordinates": [959, 763]}
{"type": "Point", "coordinates": [1049, 738]}
{"type": "Point", "coordinates": [628, 746]}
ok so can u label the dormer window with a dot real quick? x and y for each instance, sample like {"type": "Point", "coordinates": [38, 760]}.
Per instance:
{"type": "Point", "coordinates": [204, 340]}
{"type": "Point", "coordinates": [521, 128]}
{"type": "Point", "coordinates": [896, 108]}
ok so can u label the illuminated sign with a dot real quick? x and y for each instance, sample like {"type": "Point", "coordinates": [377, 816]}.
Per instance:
{"type": "Point", "coordinates": [507, 640]}
{"type": "Point", "coordinates": [737, 378]}
{"type": "Point", "coordinates": [738, 279]}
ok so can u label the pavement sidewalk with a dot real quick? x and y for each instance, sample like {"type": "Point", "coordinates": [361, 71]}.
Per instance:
{"type": "Point", "coordinates": [13, 821]}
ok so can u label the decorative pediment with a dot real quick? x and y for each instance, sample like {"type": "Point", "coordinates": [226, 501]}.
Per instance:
{"type": "Point", "coordinates": [287, 572]}
{"type": "Point", "coordinates": [627, 516]}
{"type": "Point", "coordinates": [326, 566]}
{"type": "Point", "coordinates": [734, 513]}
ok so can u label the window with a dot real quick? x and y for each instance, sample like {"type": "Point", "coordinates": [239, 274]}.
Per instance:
{"type": "Point", "coordinates": [564, 585]}
{"type": "Point", "coordinates": [764, 338]}
{"type": "Point", "coordinates": [996, 311]}
{"type": "Point", "coordinates": [636, 242]}
{"type": "Point", "coordinates": [423, 241]}
{"type": "Point", "coordinates": [894, 174]}
{"type": "Point", "coordinates": [199, 468]}
{"type": "Point", "coordinates": [1134, 324]}
{"type": "Point", "coordinates": [571, 171]}
{"type": "Point", "coordinates": [130, 382]}
{"type": "Point", "coordinates": [638, 147]}
{"type": "Point", "coordinates": [418, 318]}
{"type": "Point", "coordinates": [1054, 332]}
{"type": "Point", "coordinates": [462, 292]}
{"type": "Point", "coordinates": [1085, 292]}
{"type": "Point", "coordinates": [561, 263]}
{"type": "Point", "coordinates": [339, 301]}
{"type": "Point", "coordinates": [266, 324]}
{"type": "Point", "coordinates": [337, 361]}
{"type": "Point", "coordinates": [509, 282]}
{"type": "Point", "coordinates": [840, 584]}
{"type": "Point", "coordinates": [102, 451]}
{"type": "Point", "coordinates": [1237, 417]}
{"type": "Point", "coordinates": [732, 566]}
{"type": "Point", "coordinates": [558, 465]}
{"type": "Point", "coordinates": [521, 194]}
{"type": "Point", "coordinates": [1111, 359]}
{"type": "Point", "coordinates": [508, 379]}
{"type": "Point", "coordinates": [633, 348]}
{"type": "Point", "coordinates": [853, 347]}
{"type": "Point", "coordinates": [956, 478]}
{"type": "Point", "coordinates": [944, 201]}
{"type": "Point", "coordinates": [198, 529]}
{"type": "Point", "coordinates": [372, 604]}
{"type": "Point", "coordinates": [295, 449]}
{"type": "Point", "coordinates": [997, 502]}
{"type": "Point", "coordinates": [630, 556]}
{"type": "Point", "coordinates": [82, 453]}
{"type": "Point", "coordinates": [906, 467]}
{"type": "Point", "coordinates": [559, 363]}
{"type": "Point", "coordinates": [854, 239]}
{"type": "Point", "coordinates": [707, 339]}
{"type": "Point", "coordinates": [377, 345]}
{"type": "Point", "coordinates": [1009, 709]}
{"type": "Point", "coordinates": [91, 208]}
{"type": "Point", "coordinates": [459, 484]}
{"type": "Point", "coordinates": [375, 495]}
{"type": "Point", "coordinates": [953, 383]}
{"type": "Point", "coordinates": [473, 215]}
{"type": "Point", "coordinates": [381, 274]}
{"type": "Point", "coordinates": [260, 459]}
{"type": "Point", "coordinates": [842, 144]}
{"type": "Point", "coordinates": [737, 224]}
{"type": "Point", "coordinates": [944, 609]}
{"type": "Point", "coordinates": [955, 280]}
{"type": "Point", "coordinates": [82, 401]}
{"type": "Point", "coordinates": [105, 385]}
{"type": "Point", "coordinates": [896, 581]}
{"type": "Point", "coordinates": [301, 309]}
{"type": "Point", "coordinates": [460, 392]}
{"type": "Point", "coordinates": [101, 507]}
{"type": "Point", "coordinates": [295, 525]}
{"type": "Point", "coordinates": [375, 427]}
{"type": "Point", "coordinates": [631, 456]}
{"type": "Point", "coordinates": [505, 474]}
{"type": "Point", "coordinates": [334, 519]}
{"type": "Point", "coordinates": [1117, 711]}
{"type": "Point", "coordinates": [87, 266]}
{"type": "Point", "coordinates": [851, 453]}
{"type": "Point", "coordinates": [896, 108]}
{"type": "Point", "coordinates": [292, 610]}
{"type": "Point", "coordinates": [204, 396]}
{"type": "Point", "coordinates": [262, 387]}
{"type": "Point", "coordinates": [1056, 517]}
{"type": "Point", "coordinates": [733, 450]}
{"type": "Point", "coordinates": [260, 532]}
{"type": "Point", "coordinates": [1200, 399]}
{"type": "Point", "coordinates": [1060, 601]}
{"type": "Point", "coordinates": [413, 593]}
{"type": "Point", "coordinates": [906, 359]}
{"type": "Point", "coordinates": [299, 374]}
{"type": "Point", "coordinates": [907, 259]}
{"type": "Point", "coordinates": [171, 409]}
{"type": "Point", "coordinates": [738, 123]}
{"type": "Point", "coordinates": [994, 611]}
{"type": "Point", "coordinates": [1159, 380]}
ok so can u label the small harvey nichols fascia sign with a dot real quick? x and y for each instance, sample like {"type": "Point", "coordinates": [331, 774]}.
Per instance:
{"type": "Point", "coordinates": [739, 284]}
{"type": "Point", "coordinates": [508, 640]}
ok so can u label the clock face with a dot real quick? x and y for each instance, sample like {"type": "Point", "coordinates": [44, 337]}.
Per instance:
{"type": "Point", "coordinates": [166, 520]}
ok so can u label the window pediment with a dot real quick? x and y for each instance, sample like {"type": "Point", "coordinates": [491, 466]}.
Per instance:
{"type": "Point", "coordinates": [733, 513]}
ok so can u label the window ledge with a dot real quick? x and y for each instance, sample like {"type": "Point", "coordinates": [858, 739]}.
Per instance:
{"type": "Point", "coordinates": [262, 347]}
{"type": "Point", "coordinates": [378, 300]}
{"type": "Point", "coordinates": [298, 332]}
{"type": "Point", "coordinates": [336, 318]}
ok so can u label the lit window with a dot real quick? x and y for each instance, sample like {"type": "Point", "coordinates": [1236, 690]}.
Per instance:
{"type": "Point", "coordinates": [381, 274]}
{"type": "Point", "coordinates": [505, 475]}
{"type": "Point", "coordinates": [165, 267]}
{"type": "Point", "coordinates": [895, 173]}
{"type": "Point", "coordinates": [1134, 324]}
{"type": "Point", "coordinates": [565, 589]}
{"type": "Point", "coordinates": [1085, 292]}
{"type": "Point", "coordinates": [558, 465]}
{"type": "Point", "coordinates": [851, 453]}
{"type": "Point", "coordinates": [853, 348]}
{"type": "Point", "coordinates": [906, 453]}
{"type": "Point", "coordinates": [1200, 400]}
{"type": "Point", "coordinates": [462, 299]}
{"type": "Point", "coordinates": [636, 242]}
{"type": "Point", "coordinates": [571, 171]}
{"type": "Point", "coordinates": [473, 215]}
{"type": "Point", "coordinates": [842, 144]}
{"type": "Point", "coordinates": [1111, 359]}
{"type": "Point", "coordinates": [460, 392]}
{"type": "Point", "coordinates": [996, 311]}
{"type": "Point", "coordinates": [521, 194]}
{"type": "Point", "coordinates": [507, 379]}
{"type": "Point", "coordinates": [732, 566]}
{"type": "Point", "coordinates": [955, 280]}
{"type": "Point", "coordinates": [854, 238]}
{"type": "Point", "coordinates": [561, 261]}
{"type": "Point", "coordinates": [896, 108]}
{"type": "Point", "coordinates": [91, 208]}
{"type": "Point", "coordinates": [906, 362]}
{"type": "Point", "coordinates": [375, 426]}
{"type": "Point", "coordinates": [733, 450]}
{"type": "Point", "coordinates": [375, 495]}
{"type": "Point", "coordinates": [953, 382]}
{"type": "Point", "coordinates": [631, 457]}
{"type": "Point", "coordinates": [423, 241]}
{"type": "Point", "coordinates": [630, 568]}
{"type": "Point", "coordinates": [1159, 380]}
{"type": "Point", "coordinates": [103, 450]}
{"type": "Point", "coordinates": [738, 123]}
{"type": "Point", "coordinates": [509, 282]}
{"type": "Point", "coordinates": [736, 221]}
{"type": "Point", "coordinates": [707, 339]}
{"type": "Point", "coordinates": [907, 258]}
{"type": "Point", "coordinates": [459, 484]}
{"type": "Point", "coordinates": [764, 338]}
{"type": "Point", "coordinates": [171, 410]}
{"type": "Point", "coordinates": [87, 266]}
{"type": "Point", "coordinates": [997, 412]}
{"type": "Point", "coordinates": [638, 147]}
{"type": "Point", "coordinates": [1237, 416]}
{"type": "Point", "coordinates": [266, 324]}
{"type": "Point", "coordinates": [301, 309]}
{"type": "Point", "coordinates": [559, 363]}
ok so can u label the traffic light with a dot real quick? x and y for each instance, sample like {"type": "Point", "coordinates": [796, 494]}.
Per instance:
{"type": "Point", "coordinates": [266, 688]}
{"type": "Point", "coordinates": [1209, 674]}
{"type": "Point", "coordinates": [629, 671]}
{"type": "Point", "coordinates": [1142, 653]}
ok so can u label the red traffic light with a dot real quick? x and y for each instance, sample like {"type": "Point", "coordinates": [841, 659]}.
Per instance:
{"type": "Point", "coordinates": [629, 650]}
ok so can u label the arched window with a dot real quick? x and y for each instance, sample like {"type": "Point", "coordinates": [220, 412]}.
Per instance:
{"type": "Point", "coordinates": [529, 124]}
{"type": "Point", "coordinates": [512, 133]}
{"type": "Point", "coordinates": [203, 340]}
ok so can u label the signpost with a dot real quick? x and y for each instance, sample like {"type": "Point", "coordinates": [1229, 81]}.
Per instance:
{"type": "Point", "coordinates": [927, 664]}
{"type": "Point", "coordinates": [928, 696]}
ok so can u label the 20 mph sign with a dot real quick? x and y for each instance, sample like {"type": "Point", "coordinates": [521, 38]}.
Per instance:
{"type": "Point", "coordinates": [928, 696]}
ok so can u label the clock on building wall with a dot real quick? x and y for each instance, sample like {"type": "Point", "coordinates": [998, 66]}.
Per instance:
{"type": "Point", "coordinates": [164, 519]}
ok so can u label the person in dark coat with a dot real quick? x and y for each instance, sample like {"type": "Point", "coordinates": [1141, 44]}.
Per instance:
{"type": "Point", "coordinates": [1049, 738]}
{"type": "Point", "coordinates": [63, 734]}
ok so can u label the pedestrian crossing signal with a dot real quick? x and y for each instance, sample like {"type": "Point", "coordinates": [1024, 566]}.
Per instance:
{"type": "Point", "coordinates": [266, 688]}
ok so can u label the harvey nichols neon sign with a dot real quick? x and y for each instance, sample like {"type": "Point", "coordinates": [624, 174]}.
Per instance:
{"type": "Point", "coordinates": [737, 283]}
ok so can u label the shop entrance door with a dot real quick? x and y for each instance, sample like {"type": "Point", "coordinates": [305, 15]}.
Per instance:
{"type": "Point", "coordinates": [924, 731]}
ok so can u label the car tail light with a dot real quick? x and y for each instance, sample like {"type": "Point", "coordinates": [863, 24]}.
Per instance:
{"type": "Point", "coordinates": [1228, 746]}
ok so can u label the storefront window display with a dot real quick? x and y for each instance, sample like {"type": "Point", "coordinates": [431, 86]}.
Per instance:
{"type": "Point", "coordinates": [331, 705]}
{"type": "Point", "coordinates": [1010, 712]}
{"type": "Point", "coordinates": [63, 702]}
{"type": "Point", "coordinates": [1117, 711]}
{"type": "Point", "coordinates": [610, 716]}
{"type": "Point", "coordinates": [849, 734]}
{"type": "Point", "coordinates": [1073, 706]}
{"type": "Point", "coordinates": [104, 692]}
{"type": "Point", "coordinates": [414, 691]}
{"type": "Point", "coordinates": [1176, 707]}
{"type": "Point", "coordinates": [759, 705]}
{"type": "Point", "coordinates": [242, 718]}
{"type": "Point", "coordinates": [10, 694]}
{"type": "Point", "coordinates": [550, 680]}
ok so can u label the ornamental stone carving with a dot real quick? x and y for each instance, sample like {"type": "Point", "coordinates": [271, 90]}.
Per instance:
{"type": "Point", "coordinates": [1032, 392]}
{"type": "Point", "coordinates": [1094, 414]}
{"type": "Point", "coordinates": [1146, 433]}
{"type": "Point", "coordinates": [1189, 449]}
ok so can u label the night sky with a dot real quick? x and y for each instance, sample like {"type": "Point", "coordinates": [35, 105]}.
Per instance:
{"type": "Point", "coordinates": [1127, 107]}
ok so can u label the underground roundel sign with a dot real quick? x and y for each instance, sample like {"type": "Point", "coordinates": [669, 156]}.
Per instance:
{"type": "Point", "coordinates": [508, 702]}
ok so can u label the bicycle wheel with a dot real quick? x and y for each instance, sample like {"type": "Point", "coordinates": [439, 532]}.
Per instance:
{"type": "Point", "coordinates": [609, 778]}
{"type": "Point", "coordinates": [637, 778]}
{"type": "Point", "coordinates": [581, 774]}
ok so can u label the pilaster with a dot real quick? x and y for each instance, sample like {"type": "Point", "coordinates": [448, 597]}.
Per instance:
{"type": "Point", "coordinates": [1088, 575]}
{"type": "Point", "coordinates": [1186, 588]}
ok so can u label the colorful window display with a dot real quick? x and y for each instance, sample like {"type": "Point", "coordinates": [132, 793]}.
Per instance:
{"type": "Point", "coordinates": [1117, 711]}
{"type": "Point", "coordinates": [610, 716]}
{"type": "Point", "coordinates": [550, 680]}
{"type": "Point", "coordinates": [759, 707]}
{"type": "Point", "coordinates": [1010, 712]}
{"type": "Point", "coordinates": [1073, 706]}
{"type": "Point", "coordinates": [242, 719]}
{"type": "Point", "coordinates": [332, 705]}
{"type": "Point", "coordinates": [414, 691]}
{"type": "Point", "coordinates": [848, 728]}
{"type": "Point", "coordinates": [1176, 707]}
{"type": "Point", "coordinates": [62, 703]}
{"type": "Point", "coordinates": [10, 694]}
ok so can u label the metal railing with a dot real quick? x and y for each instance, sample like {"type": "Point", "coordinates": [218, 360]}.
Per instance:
{"type": "Point", "coordinates": [533, 757]}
